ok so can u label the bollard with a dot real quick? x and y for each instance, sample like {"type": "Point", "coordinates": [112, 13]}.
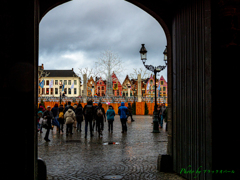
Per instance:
{"type": "Point", "coordinates": [164, 163]}
{"type": "Point", "coordinates": [42, 170]}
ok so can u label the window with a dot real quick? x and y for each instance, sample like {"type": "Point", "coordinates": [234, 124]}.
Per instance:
{"type": "Point", "coordinates": [47, 90]}
{"type": "Point", "coordinates": [60, 81]}
{"type": "Point", "coordinates": [65, 90]}
{"type": "Point", "coordinates": [69, 90]}
{"type": "Point", "coordinates": [100, 82]}
{"type": "Point", "coordinates": [75, 90]}
{"type": "Point", "coordinates": [43, 90]}
{"type": "Point", "coordinates": [65, 82]}
{"type": "Point", "coordinates": [89, 93]}
{"type": "Point", "coordinates": [56, 82]}
{"type": "Point", "coordinates": [102, 87]}
{"type": "Point", "coordinates": [124, 94]}
{"type": "Point", "coordinates": [117, 92]}
{"type": "Point", "coordinates": [164, 88]}
{"type": "Point", "coordinates": [69, 82]}
{"type": "Point", "coordinates": [56, 90]}
{"type": "Point", "coordinates": [51, 90]}
{"type": "Point", "coordinates": [75, 82]}
{"type": "Point", "coordinates": [161, 82]}
{"type": "Point", "coordinates": [47, 82]}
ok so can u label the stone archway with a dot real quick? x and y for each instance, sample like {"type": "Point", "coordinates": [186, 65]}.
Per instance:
{"type": "Point", "coordinates": [46, 6]}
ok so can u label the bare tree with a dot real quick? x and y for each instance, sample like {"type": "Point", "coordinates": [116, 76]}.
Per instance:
{"type": "Point", "coordinates": [90, 72]}
{"type": "Point", "coordinates": [108, 63]}
{"type": "Point", "coordinates": [144, 73]}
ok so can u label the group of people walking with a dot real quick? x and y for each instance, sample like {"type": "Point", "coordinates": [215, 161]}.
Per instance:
{"type": "Point", "coordinates": [74, 116]}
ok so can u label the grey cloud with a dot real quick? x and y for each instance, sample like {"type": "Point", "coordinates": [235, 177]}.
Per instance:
{"type": "Point", "coordinates": [94, 26]}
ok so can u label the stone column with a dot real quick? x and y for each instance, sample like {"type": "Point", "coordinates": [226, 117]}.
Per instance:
{"type": "Point", "coordinates": [93, 91]}
{"type": "Point", "coordinates": [139, 88]}
{"type": "Point", "coordinates": [85, 88]}
{"type": "Point", "coordinates": [128, 91]}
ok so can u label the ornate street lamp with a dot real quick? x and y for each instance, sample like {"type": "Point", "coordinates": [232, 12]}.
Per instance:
{"type": "Point", "coordinates": [143, 53]}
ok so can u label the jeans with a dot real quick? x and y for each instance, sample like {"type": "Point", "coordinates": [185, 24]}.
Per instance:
{"type": "Point", "coordinates": [110, 125]}
{"type": "Point", "coordinates": [79, 125]}
{"type": "Point", "coordinates": [124, 125]}
{"type": "Point", "coordinates": [161, 122]}
{"type": "Point", "coordinates": [86, 126]}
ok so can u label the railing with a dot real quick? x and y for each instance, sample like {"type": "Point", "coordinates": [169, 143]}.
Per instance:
{"type": "Point", "coordinates": [100, 99]}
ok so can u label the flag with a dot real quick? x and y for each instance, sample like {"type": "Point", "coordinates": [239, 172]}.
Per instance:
{"type": "Point", "coordinates": [159, 88]}
{"type": "Point", "coordinates": [72, 86]}
{"type": "Point", "coordinates": [51, 84]}
{"type": "Point", "coordinates": [63, 87]}
{"type": "Point", "coordinates": [41, 84]}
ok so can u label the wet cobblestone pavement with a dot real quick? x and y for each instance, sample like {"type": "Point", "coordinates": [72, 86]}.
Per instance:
{"type": "Point", "coordinates": [133, 156]}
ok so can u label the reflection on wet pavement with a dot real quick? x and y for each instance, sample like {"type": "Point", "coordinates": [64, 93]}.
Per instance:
{"type": "Point", "coordinates": [130, 155]}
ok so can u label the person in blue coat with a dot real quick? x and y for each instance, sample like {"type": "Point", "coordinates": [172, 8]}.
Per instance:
{"type": "Point", "coordinates": [122, 111]}
{"type": "Point", "coordinates": [110, 118]}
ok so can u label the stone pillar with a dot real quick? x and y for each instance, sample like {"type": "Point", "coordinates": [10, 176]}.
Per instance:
{"type": "Point", "coordinates": [93, 92]}
{"type": "Point", "coordinates": [139, 88]}
{"type": "Point", "coordinates": [128, 92]}
{"type": "Point", "coordinates": [85, 88]}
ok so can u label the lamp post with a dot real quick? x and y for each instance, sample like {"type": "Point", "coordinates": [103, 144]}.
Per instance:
{"type": "Point", "coordinates": [143, 53]}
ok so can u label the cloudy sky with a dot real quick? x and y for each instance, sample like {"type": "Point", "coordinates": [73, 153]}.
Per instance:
{"type": "Point", "coordinates": [74, 34]}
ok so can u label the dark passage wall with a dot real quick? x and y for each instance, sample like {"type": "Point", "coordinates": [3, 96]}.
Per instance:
{"type": "Point", "coordinates": [192, 138]}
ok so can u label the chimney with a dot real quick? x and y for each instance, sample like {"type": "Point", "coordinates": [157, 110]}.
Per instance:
{"type": "Point", "coordinates": [72, 69]}
{"type": "Point", "coordinates": [42, 67]}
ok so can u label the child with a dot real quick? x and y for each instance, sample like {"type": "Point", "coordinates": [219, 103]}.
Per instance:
{"type": "Point", "coordinates": [110, 118]}
{"type": "Point", "coordinates": [39, 124]}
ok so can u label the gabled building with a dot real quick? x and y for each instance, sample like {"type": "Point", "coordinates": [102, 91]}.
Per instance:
{"type": "Point", "coordinates": [91, 86]}
{"type": "Point", "coordinates": [126, 83]}
{"type": "Point", "coordinates": [150, 87]}
{"type": "Point", "coordinates": [117, 87]}
{"type": "Point", "coordinates": [71, 81]}
{"type": "Point", "coordinates": [101, 87]}
{"type": "Point", "coordinates": [163, 87]}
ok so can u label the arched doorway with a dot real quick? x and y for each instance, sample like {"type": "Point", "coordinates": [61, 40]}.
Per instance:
{"type": "Point", "coordinates": [168, 37]}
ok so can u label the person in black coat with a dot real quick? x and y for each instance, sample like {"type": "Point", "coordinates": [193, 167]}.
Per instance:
{"type": "Point", "coordinates": [99, 119]}
{"type": "Point", "coordinates": [79, 117]}
{"type": "Point", "coordinates": [88, 112]}
{"type": "Point", "coordinates": [130, 112]}
{"type": "Point", "coordinates": [49, 116]}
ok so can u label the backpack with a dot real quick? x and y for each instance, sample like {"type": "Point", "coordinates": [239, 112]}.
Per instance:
{"type": "Point", "coordinates": [88, 110]}
{"type": "Point", "coordinates": [99, 112]}
{"type": "Point", "coordinates": [61, 115]}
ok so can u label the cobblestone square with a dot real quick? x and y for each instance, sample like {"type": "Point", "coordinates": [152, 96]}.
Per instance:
{"type": "Point", "coordinates": [131, 155]}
